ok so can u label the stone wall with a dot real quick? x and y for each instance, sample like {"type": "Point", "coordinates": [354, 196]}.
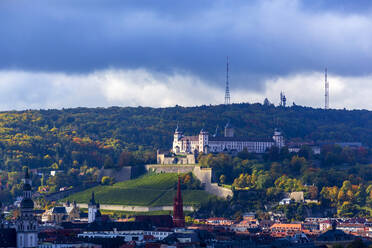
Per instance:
{"type": "Point", "coordinates": [135, 208]}
{"type": "Point", "coordinates": [159, 168]}
{"type": "Point", "coordinates": [203, 174]}
{"type": "Point", "coordinates": [187, 159]}
{"type": "Point", "coordinates": [219, 191]}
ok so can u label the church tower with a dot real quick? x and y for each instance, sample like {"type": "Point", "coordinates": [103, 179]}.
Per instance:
{"type": "Point", "coordinates": [178, 217]}
{"type": "Point", "coordinates": [93, 210]}
{"type": "Point", "coordinates": [26, 224]}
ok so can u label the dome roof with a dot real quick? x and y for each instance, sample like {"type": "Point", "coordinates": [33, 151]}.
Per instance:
{"type": "Point", "coordinates": [27, 203]}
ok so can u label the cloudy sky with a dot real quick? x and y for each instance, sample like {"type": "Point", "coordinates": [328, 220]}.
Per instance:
{"type": "Point", "coordinates": [92, 53]}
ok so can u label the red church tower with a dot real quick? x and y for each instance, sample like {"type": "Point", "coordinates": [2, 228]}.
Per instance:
{"type": "Point", "coordinates": [178, 217]}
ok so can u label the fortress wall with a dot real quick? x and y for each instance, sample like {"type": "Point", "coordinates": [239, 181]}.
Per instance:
{"type": "Point", "coordinates": [169, 168]}
{"type": "Point", "coordinates": [219, 191]}
{"type": "Point", "coordinates": [203, 174]}
{"type": "Point", "coordinates": [135, 208]}
{"type": "Point", "coordinates": [205, 177]}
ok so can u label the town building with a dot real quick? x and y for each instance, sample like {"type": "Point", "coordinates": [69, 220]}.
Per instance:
{"type": "Point", "coordinates": [133, 235]}
{"type": "Point", "coordinates": [59, 214]}
{"type": "Point", "coordinates": [284, 229]}
{"type": "Point", "coordinates": [228, 142]}
{"type": "Point", "coordinates": [249, 222]}
{"type": "Point", "coordinates": [219, 221]}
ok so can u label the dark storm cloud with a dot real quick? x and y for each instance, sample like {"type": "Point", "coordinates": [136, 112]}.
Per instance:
{"type": "Point", "coordinates": [263, 38]}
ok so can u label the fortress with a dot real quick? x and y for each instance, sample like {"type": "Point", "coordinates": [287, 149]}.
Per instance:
{"type": "Point", "coordinates": [206, 143]}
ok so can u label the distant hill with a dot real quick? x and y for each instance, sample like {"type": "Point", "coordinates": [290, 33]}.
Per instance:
{"type": "Point", "coordinates": [39, 138]}
{"type": "Point", "coordinates": [148, 190]}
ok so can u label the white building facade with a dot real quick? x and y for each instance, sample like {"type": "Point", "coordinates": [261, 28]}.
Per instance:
{"type": "Point", "coordinates": [206, 143]}
{"type": "Point", "coordinates": [93, 210]}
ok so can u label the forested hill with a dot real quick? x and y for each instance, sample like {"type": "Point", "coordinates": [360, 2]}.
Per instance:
{"type": "Point", "coordinates": [43, 137]}
{"type": "Point", "coordinates": [154, 127]}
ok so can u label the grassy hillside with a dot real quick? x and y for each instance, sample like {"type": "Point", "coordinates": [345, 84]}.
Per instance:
{"type": "Point", "coordinates": [148, 190]}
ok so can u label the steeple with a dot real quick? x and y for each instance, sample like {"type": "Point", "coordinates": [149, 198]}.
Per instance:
{"type": "Point", "coordinates": [27, 202]}
{"type": "Point", "coordinates": [93, 209]}
{"type": "Point", "coordinates": [92, 201]}
{"type": "Point", "coordinates": [178, 217]}
{"type": "Point", "coordinates": [26, 224]}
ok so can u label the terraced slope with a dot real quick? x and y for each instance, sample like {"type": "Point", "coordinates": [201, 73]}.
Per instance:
{"type": "Point", "coordinates": [148, 190]}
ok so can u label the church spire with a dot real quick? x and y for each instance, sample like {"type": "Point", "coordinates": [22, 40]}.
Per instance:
{"type": "Point", "coordinates": [27, 193]}
{"type": "Point", "coordinates": [178, 217]}
{"type": "Point", "coordinates": [92, 201]}
{"type": "Point", "coordinates": [26, 225]}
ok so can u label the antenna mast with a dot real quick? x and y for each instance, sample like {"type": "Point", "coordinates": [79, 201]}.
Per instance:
{"type": "Point", "coordinates": [283, 99]}
{"type": "Point", "coordinates": [326, 100]}
{"type": "Point", "coordinates": [227, 91]}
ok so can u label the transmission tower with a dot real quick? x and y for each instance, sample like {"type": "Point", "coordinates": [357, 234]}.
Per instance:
{"type": "Point", "coordinates": [283, 99]}
{"type": "Point", "coordinates": [326, 95]}
{"type": "Point", "coordinates": [227, 91]}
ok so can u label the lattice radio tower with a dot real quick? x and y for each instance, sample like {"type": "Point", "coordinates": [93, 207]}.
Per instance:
{"type": "Point", "coordinates": [326, 95]}
{"type": "Point", "coordinates": [227, 91]}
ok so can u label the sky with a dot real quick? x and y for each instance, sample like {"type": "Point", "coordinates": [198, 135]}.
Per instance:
{"type": "Point", "coordinates": [94, 53]}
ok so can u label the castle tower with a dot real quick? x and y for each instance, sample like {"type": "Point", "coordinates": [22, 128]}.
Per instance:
{"type": "Point", "coordinates": [176, 141]}
{"type": "Point", "coordinates": [178, 217]}
{"type": "Point", "coordinates": [26, 224]}
{"type": "Point", "coordinates": [203, 141]}
{"type": "Point", "coordinates": [93, 209]}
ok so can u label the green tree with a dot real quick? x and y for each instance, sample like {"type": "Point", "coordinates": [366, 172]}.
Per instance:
{"type": "Point", "coordinates": [108, 164]}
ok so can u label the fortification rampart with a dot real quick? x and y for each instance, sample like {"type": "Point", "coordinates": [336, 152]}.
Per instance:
{"type": "Point", "coordinates": [136, 208]}
{"type": "Point", "coordinates": [160, 168]}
